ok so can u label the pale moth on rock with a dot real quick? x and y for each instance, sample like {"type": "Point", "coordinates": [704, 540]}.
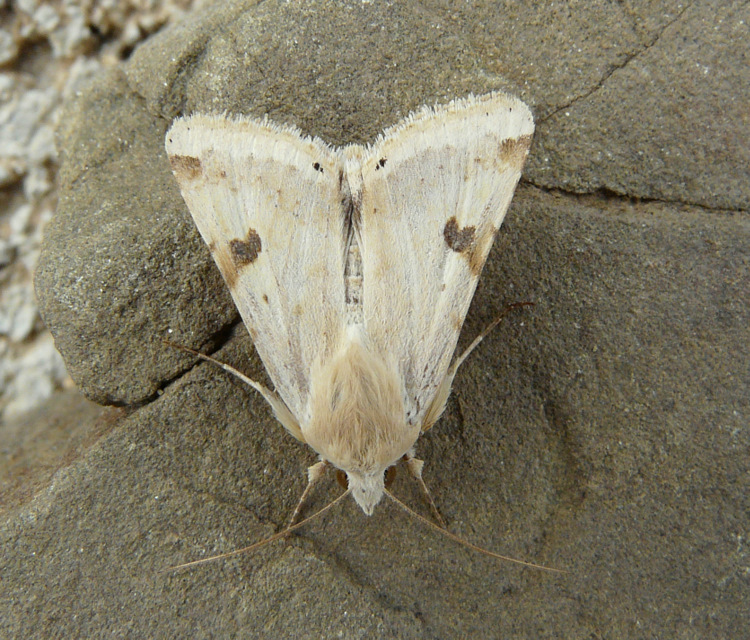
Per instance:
{"type": "Point", "coordinates": [353, 268]}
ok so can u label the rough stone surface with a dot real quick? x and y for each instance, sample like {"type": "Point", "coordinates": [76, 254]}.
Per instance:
{"type": "Point", "coordinates": [603, 431]}
{"type": "Point", "coordinates": [46, 50]}
{"type": "Point", "coordinates": [122, 260]}
{"type": "Point", "coordinates": [665, 123]}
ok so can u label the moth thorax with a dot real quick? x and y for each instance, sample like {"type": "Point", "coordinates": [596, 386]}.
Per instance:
{"type": "Point", "coordinates": [357, 417]}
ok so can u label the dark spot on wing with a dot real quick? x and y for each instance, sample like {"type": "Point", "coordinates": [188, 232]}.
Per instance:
{"type": "Point", "coordinates": [458, 239]}
{"type": "Point", "coordinates": [381, 163]}
{"type": "Point", "coordinates": [513, 151]}
{"type": "Point", "coordinates": [245, 252]}
{"type": "Point", "coordinates": [317, 167]}
{"type": "Point", "coordinates": [481, 249]}
{"type": "Point", "coordinates": [265, 298]}
{"type": "Point", "coordinates": [186, 167]}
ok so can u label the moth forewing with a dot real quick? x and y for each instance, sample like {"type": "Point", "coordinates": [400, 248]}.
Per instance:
{"type": "Point", "coordinates": [354, 268]}
{"type": "Point", "coordinates": [267, 202]}
{"type": "Point", "coordinates": [435, 191]}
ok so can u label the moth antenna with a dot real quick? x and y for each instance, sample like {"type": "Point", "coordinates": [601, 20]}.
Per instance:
{"type": "Point", "coordinates": [260, 388]}
{"type": "Point", "coordinates": [466, 543]}
{"type": "Point", "coordinates": [280, 410]}
{"type": "Point", "coordinates": [444, 389]}
{"type": "Point", "coordinates": [262, 543]}
{"type": "Point", "coordinates": [459, 361]}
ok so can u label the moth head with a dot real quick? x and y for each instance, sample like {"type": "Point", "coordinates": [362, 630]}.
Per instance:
{"type": "Point", "coordinates": [366, 488]}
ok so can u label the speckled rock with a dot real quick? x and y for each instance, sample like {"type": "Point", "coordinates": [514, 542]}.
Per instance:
{"type": "Point", "coordinates": [604, 431]}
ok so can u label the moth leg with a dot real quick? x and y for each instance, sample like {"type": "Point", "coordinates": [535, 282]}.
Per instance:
{"type": "Point", "coordinates": [314, 473]}
{"type": "Point", "coordinates": [415, 467]}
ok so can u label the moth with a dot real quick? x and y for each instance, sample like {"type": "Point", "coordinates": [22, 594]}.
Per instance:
{"type": "Point", "coordinates": [353, 268]}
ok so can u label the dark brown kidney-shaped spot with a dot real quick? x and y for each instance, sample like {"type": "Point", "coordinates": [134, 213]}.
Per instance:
{"type": "Point", "coordinates": [458, 239]}
{"type": "Point", "coordinates": [245, 252]}
{"type": "Point", "coordinates": [186, 167]}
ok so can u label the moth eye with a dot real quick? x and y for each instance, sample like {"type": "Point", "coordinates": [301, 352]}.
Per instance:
{"type": "Point", "coordinates": [390, 476]}
{"type": "Point", "coordinates": [342, 479]}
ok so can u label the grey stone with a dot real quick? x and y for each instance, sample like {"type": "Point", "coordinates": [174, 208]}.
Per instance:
{"type": "Point", "coordinates": [603, 431]}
